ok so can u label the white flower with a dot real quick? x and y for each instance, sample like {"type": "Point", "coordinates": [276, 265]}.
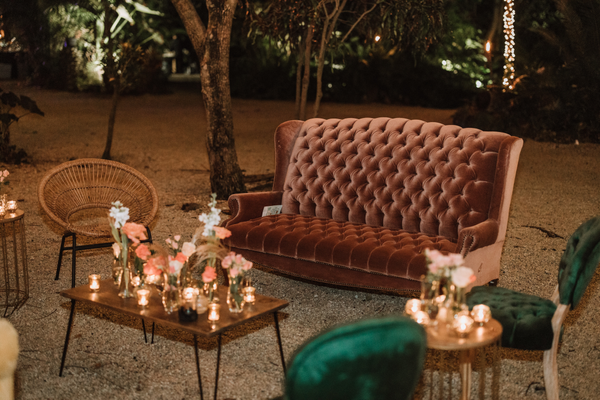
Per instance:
{"type": "Point", "coordinates": [188, 249]}
{"type": "Point", "coordinates": [174, 266]}
{"type": "Point", "coordinates": [210, 220]}
{"type": "Point", "coordinates": [462, 276]}
{"type": "Point", "coordinates": [119, 213]}
{"type": "Point", "coordinates": [116, 249]}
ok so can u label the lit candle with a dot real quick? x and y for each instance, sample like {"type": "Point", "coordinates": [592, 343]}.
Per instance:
{"type": "Point", "coordinates": [11, 206]}
{"type": "Point", "coordinates": [249, 295]}
{"type": "Point", "coordinates": [481, 314]}
{"type": "Point", "coordinates": [135, 281]}
{"type": "Point", "coordinates": [94, 280]}
{"type": "Point", "coordinates": [187, 311]}
{"type": "Point", "coordinates": [143, 296]}
{"type": "Point", "coordinates": [213, 311]}
{"type": "Point", "coordinates": [412, 306]}
{"type": "Point", "coordinates": [463, 324]}
{"type": "Point", "coordinates": [2, 210]}
{"type": "Point", "coordinates": [421, 317]}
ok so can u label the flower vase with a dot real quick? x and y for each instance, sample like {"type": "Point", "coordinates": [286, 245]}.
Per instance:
{"type": "Point", "coordinates": [235, 299]}
{"type": "Point", "coordinates": [117, 270]}
{"type": "Point", "coordinates": [429, 293]}
{"type": "Point", "coordinates": [125, 287]}
{"type": "Point", "coordinates": [170, 293]}
{"type": "Point", "coordinates": [455, 303]}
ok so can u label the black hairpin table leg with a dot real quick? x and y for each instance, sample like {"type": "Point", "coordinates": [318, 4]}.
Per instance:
{"type": "Point", "coordinates": [144, 328]}
{"type": "Point", "coordinates": [152, 341]}
{"type": "Point", "coordinates": [279, 341]}
{"type": "Point", "coordinates": [66, 346]}
{"type": "Point", "coordinates": [198, 366]}
{"type": "Point", "coordinates": [218, 362]}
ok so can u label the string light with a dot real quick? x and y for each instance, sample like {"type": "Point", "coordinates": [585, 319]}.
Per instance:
{"type": "Point", "coordinates": [508, 78]}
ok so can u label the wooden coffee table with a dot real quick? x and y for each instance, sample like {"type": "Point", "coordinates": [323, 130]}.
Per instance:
{"type": "Point", "coordinates": [107, 297]}
{"type": "Point", "coordinates": [442, 338]}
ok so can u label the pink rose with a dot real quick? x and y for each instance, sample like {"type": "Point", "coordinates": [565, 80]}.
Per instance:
{"type": "Point", "coordinates": [247, 265]}
{"type": "Point", "coordinates": [116, 249]}
{"type": "Point", "coordinates": [209, 274]}
{"type": "Point", "coordinates": [228, 260]}
{"type": "Point", "coordinates": [233, 272]}
{"type": "Point", "coordinates": [135, 232]}
{"type": "Point", "coordinates": [188, 249]}
{"type": "Point", "coordinates": [463, 276]}
{"type": "Point", "coordinates": [142, 251]}
{"type": "Point", "coordinates": [177, 238]}
{"type": "Point", "coordinates": [168, 241]}
{"type": "Point", "coordinates": [174, 265]}
{"type": "Point", "coordinates": [182, 258]}
{"type": "Point", "coordinates": [150, 268]}
{"type": "Point", "coordinates": [221, 233]}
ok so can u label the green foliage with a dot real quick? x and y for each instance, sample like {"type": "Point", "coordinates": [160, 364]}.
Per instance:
{"type": "Point", "coordinates": [557, 94]}
{"type": "Point", "coordinates": [10, 103]}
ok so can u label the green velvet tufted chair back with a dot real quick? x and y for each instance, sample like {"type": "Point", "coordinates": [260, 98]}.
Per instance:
{"type": "Point", "coordinates": [371, 359]}
{"type": "Point", "coordinates": [579, 262]}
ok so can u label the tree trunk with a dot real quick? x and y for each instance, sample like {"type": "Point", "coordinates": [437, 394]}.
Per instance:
{"type": "Point", "coordinates": [306, 77]}
{"type": "Point", "coordinates": [328, 28]}
{"type": "Point", "coordinates": [211, 44]}
{"type": "Point", "coordinates": [111, 120]}
{"type": "Point", "coordinates": [299, 77]}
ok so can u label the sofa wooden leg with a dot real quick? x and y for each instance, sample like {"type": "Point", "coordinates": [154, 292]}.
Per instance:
{"type": "Point", "coordinates": [493, 282]}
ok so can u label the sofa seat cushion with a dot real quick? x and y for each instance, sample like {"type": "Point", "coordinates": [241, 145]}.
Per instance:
{"type": "Point", "coordinates": [526, 320]}
{"type": "Point", "coordinates": [358, 246]}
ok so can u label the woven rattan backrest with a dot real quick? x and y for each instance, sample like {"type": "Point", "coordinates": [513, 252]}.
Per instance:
{"type": "Point", "coordinates": [91, 183]}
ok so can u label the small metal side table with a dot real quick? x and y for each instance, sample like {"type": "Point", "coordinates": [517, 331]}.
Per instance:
{"type": "Point", "coordinates": [443, 338]}
{"type": "Point", "coordinates": [14, 278]}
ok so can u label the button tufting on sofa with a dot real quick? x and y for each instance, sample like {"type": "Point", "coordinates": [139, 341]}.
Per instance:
{"type": "Point", "coordinates": [396, 186]}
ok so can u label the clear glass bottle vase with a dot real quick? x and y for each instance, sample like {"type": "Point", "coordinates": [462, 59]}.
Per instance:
{"type": "Point", "coordinates": [170, 293]}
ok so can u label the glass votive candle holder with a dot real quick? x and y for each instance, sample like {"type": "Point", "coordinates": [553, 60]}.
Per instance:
{"type": "Point", "coordinates": [249, 296]}
{"type": "Point", "coordinates": [463, 324]}
{"type": "Point", "coordinates": [187, 310]}
{"type": "Point", "coordinates": [135, 281]}
{"type": "Point", "coordinates": [481, 314]}
{"type": "Point", "coordinates": [11, 206]}
{"type": "Point", "coordinates": [421, 317]}
{"type": "Point", "coordinates": [143, 297]}
{"type": "Point", "coordinates": [2, 210]}
{"type": "Point", "coordinates": [213, 312]}
{"type": "Point", "coordinates": [412, 306]}
{"type": "Point", "coordinates": [94, 280]}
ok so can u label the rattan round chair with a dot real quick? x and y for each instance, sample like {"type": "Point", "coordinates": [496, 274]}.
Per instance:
{"type": "Point", "coordinates": [77, 195]}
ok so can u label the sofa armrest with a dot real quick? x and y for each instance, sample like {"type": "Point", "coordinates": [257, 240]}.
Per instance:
{"type": "Point", "coordinates": [477, 236]}
{"type": "Point", "coordinates": [245, 206]}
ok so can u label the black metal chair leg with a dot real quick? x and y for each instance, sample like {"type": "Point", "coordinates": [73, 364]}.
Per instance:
{"type": "Point", "coordinates": [217, 373]}
{"type": "Point", "coordinates": [198, 366]}
{"type": "Point", "coordinates": [60, 255]}
{"type": "Point", "coordinates": [66, 346]}
{"type": "Point", "coordinates": [279, 341]}
{"type": "Point", "coordinates": [74, 260]}
{"type": "Point", "coordinates": [152, 342]}
{"type": "Point", "coordinates": [144, 328]}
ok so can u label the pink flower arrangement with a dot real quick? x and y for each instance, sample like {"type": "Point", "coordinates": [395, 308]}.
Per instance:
{"type": "Point", "coordinates": [135, 232]}
{"type": "Point", "coordinates": [450, 266]}
{"type": "Point", "coordinates": [221, 233]}
{"type": "Point", "coordinates": [209, 274]}
{"type": "Point", "coordinates": [142, 252]}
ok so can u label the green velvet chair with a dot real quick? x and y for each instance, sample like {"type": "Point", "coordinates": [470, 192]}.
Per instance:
{"type": "Point", "coordinates": [374, 359]}
{"type": "Point", "coordinates": [534, 323]}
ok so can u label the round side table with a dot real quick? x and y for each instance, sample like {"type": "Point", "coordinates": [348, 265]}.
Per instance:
{"type": "Point", "coordinates": [14, 278]}
{"type": "Point", "coordinates": [442, 338]}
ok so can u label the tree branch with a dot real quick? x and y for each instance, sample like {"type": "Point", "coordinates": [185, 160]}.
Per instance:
{"type": "Point", "coordinates": [358, 20]}
{"type": "Point", "coordinates": [193, 24]}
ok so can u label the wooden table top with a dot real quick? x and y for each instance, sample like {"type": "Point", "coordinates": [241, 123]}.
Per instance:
{"type": "Point", "coordinates": [10, 217]}
{"type": "Point", "coordinates": [108, 297]}
{"type": "Point", "coordinates": [443, 338]}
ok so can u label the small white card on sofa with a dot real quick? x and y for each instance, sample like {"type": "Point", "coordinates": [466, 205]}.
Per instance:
{"type": "Point", "coordinates": [271, 210]}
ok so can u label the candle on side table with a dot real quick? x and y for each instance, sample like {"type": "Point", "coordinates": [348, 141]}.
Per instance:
{"type": "Point", "coordinates": [213, 312]}
{"type": "Point", "coordinates": [187, 310]}
{"type": "Point", "coordinates": [143, 296]}
{"type": "Point", "coordinates": [481, 314]}
{"type": "Point", "coordinates": [249, 296]}
{"type": "Point", "coordinates": [412, 306]}
{"type": "Point", "coordinates": [94, 280]}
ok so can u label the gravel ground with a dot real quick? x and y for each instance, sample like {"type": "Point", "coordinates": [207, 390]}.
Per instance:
{"type": "Point", "coordinates": [163, 137]}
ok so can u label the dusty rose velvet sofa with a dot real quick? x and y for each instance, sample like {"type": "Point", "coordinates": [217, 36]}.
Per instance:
{"type": "Point", "coordinates": [363, 198]}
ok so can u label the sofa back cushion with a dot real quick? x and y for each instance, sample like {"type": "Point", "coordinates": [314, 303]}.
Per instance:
{"type": "Point", "coordinates": [395, 173]}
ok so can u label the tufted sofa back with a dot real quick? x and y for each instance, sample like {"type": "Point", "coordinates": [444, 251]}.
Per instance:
{"type": "Point", "coordinates": [395, 173]}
